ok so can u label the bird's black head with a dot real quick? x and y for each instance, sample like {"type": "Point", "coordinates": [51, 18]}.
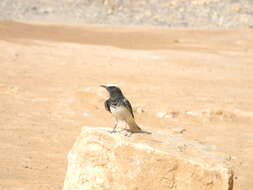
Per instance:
{"type": "Point", "coordinates": [113, 90]}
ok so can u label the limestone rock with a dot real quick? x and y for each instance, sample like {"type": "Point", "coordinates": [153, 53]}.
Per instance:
{"type": "Point", "coordinates": [161, 114]}
{"type": "Point", "coordinates": [100, 160]}
{"type": "Point", "coordinates": [138, 109]}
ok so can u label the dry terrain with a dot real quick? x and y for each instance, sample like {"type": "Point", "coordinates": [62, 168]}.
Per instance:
{"type": "Point", "coordinates": [201, 81]}
{"type": "Point", "coordinates": [168, 13]}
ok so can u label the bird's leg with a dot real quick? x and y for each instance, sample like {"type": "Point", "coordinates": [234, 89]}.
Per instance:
{"type": "Point", "coordinates": [115, 126]}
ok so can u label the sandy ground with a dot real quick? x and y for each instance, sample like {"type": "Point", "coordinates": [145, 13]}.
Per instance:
{"type": "Point", "coordinates": [49, 89]}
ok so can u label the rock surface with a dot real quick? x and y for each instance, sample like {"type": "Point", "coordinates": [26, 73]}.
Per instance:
{"type": "Point", "coordinates": [101, 160]}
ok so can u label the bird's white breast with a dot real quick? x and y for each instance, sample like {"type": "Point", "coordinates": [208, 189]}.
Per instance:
{"type": "Point", "coordinates": [121, 113]}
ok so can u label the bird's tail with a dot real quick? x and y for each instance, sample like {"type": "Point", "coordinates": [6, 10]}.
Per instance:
{"type": "Point", "coordinates": [133, 127]}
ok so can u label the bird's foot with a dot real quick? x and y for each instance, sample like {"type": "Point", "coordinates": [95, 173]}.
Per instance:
{"type": "Point", "coordinates": [128, 134]}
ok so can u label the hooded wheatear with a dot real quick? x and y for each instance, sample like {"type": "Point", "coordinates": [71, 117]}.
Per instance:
{"type": "Point", "coordinates": [120, 108]}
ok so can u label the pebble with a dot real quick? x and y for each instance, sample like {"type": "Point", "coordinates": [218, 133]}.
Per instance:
{"type": "Point", "coordinates": [179, 130]}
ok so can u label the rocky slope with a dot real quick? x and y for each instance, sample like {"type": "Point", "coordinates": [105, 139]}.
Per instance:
{"type": "Point", "coordinates": [169, 13]}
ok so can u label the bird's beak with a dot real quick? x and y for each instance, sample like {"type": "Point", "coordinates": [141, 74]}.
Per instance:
{"type": "Point", "coordinates": [103, 86]}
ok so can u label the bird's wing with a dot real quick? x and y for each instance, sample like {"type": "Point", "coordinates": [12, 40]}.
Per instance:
{"type": "Point", "coordinates": [128, 106]}
{"type": "Point", "coordinates": [107, 107]}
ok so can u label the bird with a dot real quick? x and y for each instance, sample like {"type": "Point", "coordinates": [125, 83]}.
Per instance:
{"type": "Point", "coordinates": [120, 107]}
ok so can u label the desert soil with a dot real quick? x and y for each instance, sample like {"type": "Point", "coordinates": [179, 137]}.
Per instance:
{"type": "Point", "coordinates": [49, 89]}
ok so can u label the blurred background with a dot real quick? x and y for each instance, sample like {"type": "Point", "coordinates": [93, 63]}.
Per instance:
{"type": "Point", "coordinates": [169, 13]}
